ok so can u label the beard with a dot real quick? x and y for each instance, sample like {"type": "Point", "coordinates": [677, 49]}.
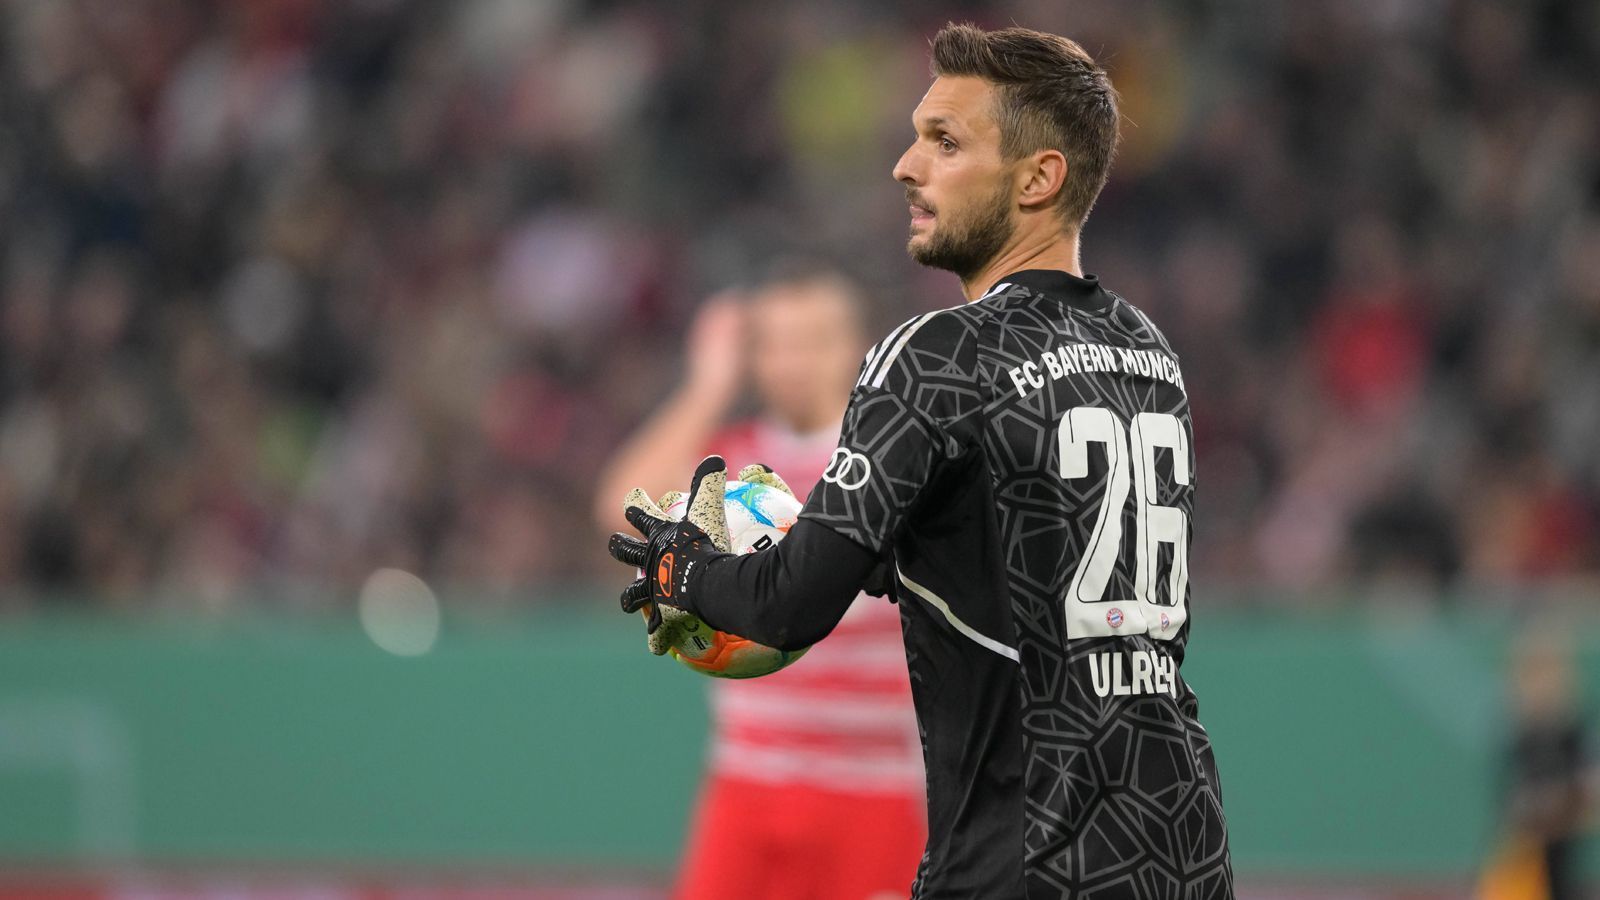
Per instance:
{"type": "Point", "coordinates": [966, 242]}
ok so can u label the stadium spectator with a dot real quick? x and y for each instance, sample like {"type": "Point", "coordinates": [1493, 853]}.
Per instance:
{"type": "Point", "coordinates": [290, 291]}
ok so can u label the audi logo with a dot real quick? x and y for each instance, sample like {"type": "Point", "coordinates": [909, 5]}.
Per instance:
{"type": "Point", "coordinates": [848, 469]}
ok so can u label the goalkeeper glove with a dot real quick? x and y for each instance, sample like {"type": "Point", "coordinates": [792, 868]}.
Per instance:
{"type": "Point", "coordinates": [671, 551]}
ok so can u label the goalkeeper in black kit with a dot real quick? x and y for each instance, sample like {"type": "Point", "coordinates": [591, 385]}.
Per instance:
{"type": "Point", "coordinates": [1018, 473]}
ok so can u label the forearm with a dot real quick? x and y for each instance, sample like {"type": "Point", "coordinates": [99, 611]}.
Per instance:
{"type": "Point", "coordinates": [788, 596]}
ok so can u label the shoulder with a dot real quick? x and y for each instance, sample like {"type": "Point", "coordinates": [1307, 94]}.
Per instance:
{"type": "Point", "coordinates": [939, 343]}
{"type": "Point", "coordinates": [1139, 324]}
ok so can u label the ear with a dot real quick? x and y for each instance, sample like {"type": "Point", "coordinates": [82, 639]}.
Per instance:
{"type": "Point", "coordinates": [1040, 178]}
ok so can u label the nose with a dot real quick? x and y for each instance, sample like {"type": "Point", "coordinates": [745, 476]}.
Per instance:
{"type": "Point", "coordinates": [907, 171]}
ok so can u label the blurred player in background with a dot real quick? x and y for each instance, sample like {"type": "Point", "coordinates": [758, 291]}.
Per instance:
{"type": "Point", "coordinates": [1549, 777]}
{"type": "Point", "coordinates": [816, 782]}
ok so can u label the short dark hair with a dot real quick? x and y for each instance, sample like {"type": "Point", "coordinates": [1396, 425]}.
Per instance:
{"type": "Point", "coordinates": [1051, 95]}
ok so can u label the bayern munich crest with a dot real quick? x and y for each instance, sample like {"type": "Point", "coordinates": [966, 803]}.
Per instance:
{"type": "Point", "coordinates": [1114, 618]}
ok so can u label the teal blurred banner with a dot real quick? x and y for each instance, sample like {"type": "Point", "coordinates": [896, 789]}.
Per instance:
{"type": "Point", "coordinates": [1349, 745]}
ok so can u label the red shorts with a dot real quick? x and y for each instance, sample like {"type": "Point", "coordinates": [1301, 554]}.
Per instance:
{"type": "Point", "coordinates": [792, 842]}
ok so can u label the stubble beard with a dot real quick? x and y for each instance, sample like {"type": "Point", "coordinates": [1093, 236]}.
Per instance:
{"type": "Point", "coordinates": [966, 244]}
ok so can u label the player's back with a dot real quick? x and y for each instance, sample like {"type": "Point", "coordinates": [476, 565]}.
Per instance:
{"type": "Point", "coordinates": [1027, 461]}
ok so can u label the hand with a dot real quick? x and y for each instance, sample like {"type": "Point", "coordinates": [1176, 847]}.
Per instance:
{"type": "Point", "coordinates": [716, 348]}
{"type": "Point", "coordinates": [671, 551]}
{"type": "Point", "coordinates": [665, 626]}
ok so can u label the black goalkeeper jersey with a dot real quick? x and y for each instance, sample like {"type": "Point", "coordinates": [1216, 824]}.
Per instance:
{"type": "Point", "coordinates": [1026, 464]}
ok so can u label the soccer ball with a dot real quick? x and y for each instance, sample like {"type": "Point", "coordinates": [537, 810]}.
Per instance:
{"type": "Point", "coordinates": [758, 517]}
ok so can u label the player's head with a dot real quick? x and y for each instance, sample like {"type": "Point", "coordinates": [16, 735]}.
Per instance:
{"type": "Point", "coordinates": [1016, 133]}
{"type": "Point", "coordinates": [807, 340]}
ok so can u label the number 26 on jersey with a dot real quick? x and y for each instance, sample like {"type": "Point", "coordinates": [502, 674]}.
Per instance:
{"type": "Point", "coordinates": [1130, 453]}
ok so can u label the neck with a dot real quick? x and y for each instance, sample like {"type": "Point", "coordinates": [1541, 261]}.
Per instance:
{"type": "Point", "coordinates": [1052, 250]}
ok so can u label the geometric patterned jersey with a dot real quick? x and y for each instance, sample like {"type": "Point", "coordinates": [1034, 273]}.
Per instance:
{"type": "Point", "coordinates": [1025, 465]}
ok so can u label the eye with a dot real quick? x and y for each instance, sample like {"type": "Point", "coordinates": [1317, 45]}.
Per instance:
{"type": "Point", "coordinates": [945, 144]}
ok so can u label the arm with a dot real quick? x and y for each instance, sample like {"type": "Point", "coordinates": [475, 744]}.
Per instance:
{"type": "Point", "coordinates": [675, 437]}
{"type": "Point", "coordinates": [788, 596]}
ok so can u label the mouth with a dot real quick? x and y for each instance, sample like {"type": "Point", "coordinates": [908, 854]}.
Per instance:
{"type": "Point", "coordinates": [920, 215]}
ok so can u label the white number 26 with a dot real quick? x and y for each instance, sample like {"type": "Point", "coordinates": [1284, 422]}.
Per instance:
{"type": "Point", "coordinates": [1089, 613]}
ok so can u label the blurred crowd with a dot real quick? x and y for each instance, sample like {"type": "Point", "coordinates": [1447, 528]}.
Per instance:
{"type": "Point", "coordinates": [293, 290]}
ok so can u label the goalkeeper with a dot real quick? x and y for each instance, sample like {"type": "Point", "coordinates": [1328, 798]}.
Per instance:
{"type": "Point", "coordinates": [1019, 471]}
